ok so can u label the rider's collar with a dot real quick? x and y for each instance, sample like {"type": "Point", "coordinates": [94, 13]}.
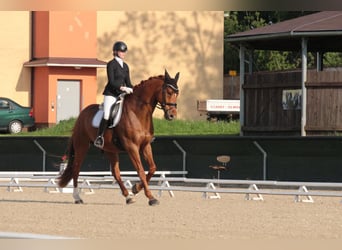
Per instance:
{"type": "Point", "coordinates": [119, 60]}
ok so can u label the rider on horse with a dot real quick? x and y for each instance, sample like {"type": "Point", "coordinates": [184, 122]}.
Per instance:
{"type": "Point", "coordinates": [134, 132]}
{"type": "Point", "coordinates": [118, 82]}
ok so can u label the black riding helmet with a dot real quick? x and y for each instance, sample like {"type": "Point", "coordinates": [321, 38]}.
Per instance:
{"type": "Point", "coordinates": [120, 46]}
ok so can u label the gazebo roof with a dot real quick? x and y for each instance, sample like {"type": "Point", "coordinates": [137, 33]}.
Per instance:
{"type": "Point", "coordinates": [323, 30]}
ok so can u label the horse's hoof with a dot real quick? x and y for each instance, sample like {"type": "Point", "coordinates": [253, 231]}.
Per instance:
{"type": "Point", "coordinates": [79, 202]}
{"type": "Point", "coordinates": [153, 202]}
{"type": "Point", "coordinates": [130, 200]}
{"type": "Point", "coordinates": [135, 189]}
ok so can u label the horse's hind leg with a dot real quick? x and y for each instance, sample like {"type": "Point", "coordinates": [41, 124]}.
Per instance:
{"type": "Point", "coordinates": [76, 195]}
{"type": "Point", "coordinates": [114, 162]}
{"type": "Point", "coordinates": [80, 153]}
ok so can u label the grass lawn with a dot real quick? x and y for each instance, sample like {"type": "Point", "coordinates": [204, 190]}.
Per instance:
{"type": "Point", "coordinates": [161, 127]}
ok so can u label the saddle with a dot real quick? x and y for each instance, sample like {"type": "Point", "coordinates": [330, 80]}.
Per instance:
{"type": "Point", "coordinates": [116, 112]}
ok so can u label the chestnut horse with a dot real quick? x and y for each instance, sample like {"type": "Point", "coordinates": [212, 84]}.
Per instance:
{"type": "Point", "coordinates": [134, 133]}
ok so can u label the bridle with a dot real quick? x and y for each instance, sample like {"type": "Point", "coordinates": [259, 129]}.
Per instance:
{"type": "Point", "coordinates": [163, 104]}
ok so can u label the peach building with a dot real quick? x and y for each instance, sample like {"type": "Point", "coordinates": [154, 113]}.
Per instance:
{"type": "Point", "coordinates": [55, 61]}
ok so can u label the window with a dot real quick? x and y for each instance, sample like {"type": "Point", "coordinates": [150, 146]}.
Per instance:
{"type": "Point", "coordinates": [4, 104]}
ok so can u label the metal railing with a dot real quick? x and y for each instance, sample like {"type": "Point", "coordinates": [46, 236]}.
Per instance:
{"type": "Point", "coordinates": [210, 188]}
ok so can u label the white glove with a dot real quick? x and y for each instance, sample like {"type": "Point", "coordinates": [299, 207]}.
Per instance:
{"type": "Point", "coordinates": [126, 89]}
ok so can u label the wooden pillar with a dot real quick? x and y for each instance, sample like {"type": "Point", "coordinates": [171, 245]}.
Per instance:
{"type": "Point", "coordinates": [304, 76]}
{"type": "Point", "coordinates": [242, 81]}
{"type": "Point", "coordinates": [319, 61]}
{"type": "Point", "coordinates": [250, 62]}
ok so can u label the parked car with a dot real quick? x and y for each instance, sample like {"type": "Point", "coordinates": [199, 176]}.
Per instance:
{"type": "Point", "coordinates": [14, 117]}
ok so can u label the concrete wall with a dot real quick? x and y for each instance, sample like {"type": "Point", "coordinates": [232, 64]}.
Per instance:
{"type": "Point", "coordinates": [14, 51]}
{"type": "Point", "coordinates": [183, 41]}
{"type": "Point", "coordinates": [189, 42]}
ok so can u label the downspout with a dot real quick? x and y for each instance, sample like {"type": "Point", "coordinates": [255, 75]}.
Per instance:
{"type": "Point", "coordinates": [32, 24]}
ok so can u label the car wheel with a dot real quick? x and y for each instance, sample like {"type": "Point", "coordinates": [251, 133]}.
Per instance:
{"type": "Point", "coordinates": [15, 127]}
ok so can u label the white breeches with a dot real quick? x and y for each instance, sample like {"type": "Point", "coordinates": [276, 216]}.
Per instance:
{"type": "Point", "coordinates": [108, 102]}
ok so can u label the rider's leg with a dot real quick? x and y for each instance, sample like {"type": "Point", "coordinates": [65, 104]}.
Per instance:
{"type": "Point", "coordinates": [107, 104]}
{"type": "Point", "coordinates": [99, 141]}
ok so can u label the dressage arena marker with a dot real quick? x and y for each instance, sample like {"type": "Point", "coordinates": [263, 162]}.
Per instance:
{"type": "Point", "coordinates": [15, 189]}
{"type": "Point", "coordinates": [258, 196]}
{"type": "Point", "coordinates": [86, 183]}
{"type": "Point", "coordinates": [215, 196]}
{"type": "Point", "coordinates": [303, 189]}
{"type": "Point", "coordinates": [164, 183]}
{"type": "Point", "coordinates": [52, 182]}
{"type": "Point", "coordinates": [16, 181]}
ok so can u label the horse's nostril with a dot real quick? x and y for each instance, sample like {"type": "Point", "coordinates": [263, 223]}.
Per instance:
{"type": "Point", "coordinates": [169, 116]}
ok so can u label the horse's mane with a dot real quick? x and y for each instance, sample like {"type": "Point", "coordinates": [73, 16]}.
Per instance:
{"type": "Point", "coordinates": [143, 82]}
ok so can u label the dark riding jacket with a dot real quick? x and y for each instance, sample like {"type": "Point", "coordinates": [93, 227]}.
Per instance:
{"type": "Point", "coordinates": [117, 77]}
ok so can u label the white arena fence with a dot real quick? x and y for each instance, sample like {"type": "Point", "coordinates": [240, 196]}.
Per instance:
{"type": "Point", "coordinates": [169, 182]}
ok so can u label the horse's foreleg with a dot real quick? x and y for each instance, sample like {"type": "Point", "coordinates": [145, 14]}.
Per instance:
{"type": "Point", "coordinates": [114, 162]}
{"type": "Point", "coordinates": [148, 156]}
{"type": "Point", "coordinates": [135, 158]}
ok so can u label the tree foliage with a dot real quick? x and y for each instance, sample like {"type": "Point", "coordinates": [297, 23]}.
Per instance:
{"type": "Point", "coordinates": [238, 21]}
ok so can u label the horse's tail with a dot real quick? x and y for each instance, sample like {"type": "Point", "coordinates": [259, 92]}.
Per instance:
{"type": "Point", "coordinates": [67, 174]}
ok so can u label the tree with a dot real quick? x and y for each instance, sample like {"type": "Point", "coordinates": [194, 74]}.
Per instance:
{"type": "Point", "coordinates": [238, 21]}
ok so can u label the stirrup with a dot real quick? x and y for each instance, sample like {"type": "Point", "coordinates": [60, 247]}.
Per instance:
{"type": "Point", "coordinates": [99, 142]}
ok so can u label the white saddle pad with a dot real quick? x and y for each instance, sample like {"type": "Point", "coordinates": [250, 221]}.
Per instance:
{"type": "Point", "coordinates": [97, 118]}
{"type": "Point", "coordinates": [116, 114]}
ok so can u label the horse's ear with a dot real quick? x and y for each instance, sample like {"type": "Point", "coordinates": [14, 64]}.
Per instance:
{"type": "Point", "coordinates": [167, 76]}
{"type": "Point", "coordinates": [176, 77]}
{"type": "Point", "coordinates": [171, 81]}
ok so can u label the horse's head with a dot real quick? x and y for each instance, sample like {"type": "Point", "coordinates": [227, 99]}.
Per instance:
{"type": "Point", "coordinates": [169, 96]}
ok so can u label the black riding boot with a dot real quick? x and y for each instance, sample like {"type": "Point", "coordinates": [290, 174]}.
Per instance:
{"type": "Point", "coordinates": [99, 141]}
